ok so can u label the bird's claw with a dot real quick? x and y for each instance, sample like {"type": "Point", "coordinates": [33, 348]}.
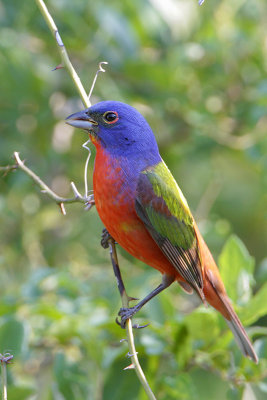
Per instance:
{"type": "Point", "coordinates": [89, 205]}
{"type": "Point", "coordinates": [132, 298]}
{"type": "Point", "coordinates": [137, 326]}
{"type": "Point", "coordinates": [105, 237]}
{"type": "Point", "coordinates": [125, 314]}
{"type": "Point", "coordinates": [90, 202]}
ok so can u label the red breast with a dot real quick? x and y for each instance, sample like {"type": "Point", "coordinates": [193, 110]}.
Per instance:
{"type": "Point", "coordinates": [115, 203]}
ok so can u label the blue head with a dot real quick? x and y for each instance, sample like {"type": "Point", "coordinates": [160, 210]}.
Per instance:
{"type": "Point", "coordinates": [119, 128]}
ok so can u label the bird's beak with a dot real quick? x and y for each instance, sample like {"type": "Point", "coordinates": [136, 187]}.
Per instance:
{"type": "Point", "coordinates": [81, 120]}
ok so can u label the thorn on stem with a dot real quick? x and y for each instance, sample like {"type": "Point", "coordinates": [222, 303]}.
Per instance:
{"type": "Point", "coordinates": [62, 208]}
{"type": "Point", "coordinates": [131, 355]}
{"type": "Point", "coordinates": [60, 66]}
{"type": "Point", "coordinates": [131, 366]}
{"type": "Point", "coordinates": [132, 298]}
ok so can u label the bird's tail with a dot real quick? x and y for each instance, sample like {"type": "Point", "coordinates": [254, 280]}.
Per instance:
{"type": "Point", "coordinates": [242, 339]}
{"type": "Point", "coordinates": [216, 296]}
{"type": "Point", "coordinates": [221, 302]}
{"type": "Point", "coordinates": [239, 332]}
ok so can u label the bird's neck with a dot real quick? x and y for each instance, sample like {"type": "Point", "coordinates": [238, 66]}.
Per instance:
{"type": "Point", "coordinates": [130, 165]}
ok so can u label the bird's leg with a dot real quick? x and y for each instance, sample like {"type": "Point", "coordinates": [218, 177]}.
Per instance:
{"type": "Point", "coordinates": [126, 313]}
{"type": "Point", "coordinates": [108, 241]}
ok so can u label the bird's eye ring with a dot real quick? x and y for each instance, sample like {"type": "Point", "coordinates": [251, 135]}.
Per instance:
{"type": "Point", "coordinates": [110, 117]}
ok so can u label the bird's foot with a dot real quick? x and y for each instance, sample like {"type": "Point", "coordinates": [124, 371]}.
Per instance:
{"type": "Point", "coordinates": [127, 313]}
{"type": "Point", "coordinates": [105, 237]}
{"type": "Point", "coordinates": [90, 202]}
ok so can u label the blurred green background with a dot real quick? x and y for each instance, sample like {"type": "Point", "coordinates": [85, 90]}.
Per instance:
{"type": "Point", "coordinates": [198, 74]}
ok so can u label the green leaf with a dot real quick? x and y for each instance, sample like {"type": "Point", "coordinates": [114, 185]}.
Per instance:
{"type": "Point", "coordinates": [152, 343]}
{"type": "Point", "coordinates": [71, 379]}
{"type": "Point", "coordinates": [19, 392]}
{"type": "Point", "coordinates": [236, 268]}
{"type": "Point", "coordinates": [180, 387]}
{"type": "Point", "coordinates": [208, 385]}
{"type": "Point", "coordinates": [122, 385]}
{"type": "Point", "coordinates": [256, 308]}
{"type": "Point", "coordinates": [12, 334]}
{"type": "Point", "coordinates": [203, 325]}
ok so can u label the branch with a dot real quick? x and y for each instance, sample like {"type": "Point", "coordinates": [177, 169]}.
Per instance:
{"type": "Point", "coordinates": [5, 359]}
{"type": "Point", "coordinates": [8, 168]}
{"type": "Point", "coordinates": [63, 52]}
{"type": "Point", "coordinates": [44, 188]}
{"type": "Point", "coordinates": [88, 200]}
{"type": "Point", "coordinates": [125, 299]}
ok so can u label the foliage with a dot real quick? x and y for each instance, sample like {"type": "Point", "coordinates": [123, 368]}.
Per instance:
{"type": "Point", "coordinates": [198, 74]}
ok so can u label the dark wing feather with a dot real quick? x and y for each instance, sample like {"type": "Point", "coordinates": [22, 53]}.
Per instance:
{"type": "Point", "coordinates": [164, 211]}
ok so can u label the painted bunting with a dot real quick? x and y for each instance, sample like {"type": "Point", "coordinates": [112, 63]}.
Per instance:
{"type": "Point", "coordinates": [144, 210]}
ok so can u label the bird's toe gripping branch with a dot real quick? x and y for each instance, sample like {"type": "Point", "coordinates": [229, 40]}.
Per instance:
{"type": "Point", "coordinates": [126, 313]}
{"type": "Point", "coordinates": [105, 238]}
{"type": "Point", "coordinates": [90, 202]}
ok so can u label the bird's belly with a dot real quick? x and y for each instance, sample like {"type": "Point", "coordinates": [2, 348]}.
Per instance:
{"type": "Point", "coordinates": [114, 200]}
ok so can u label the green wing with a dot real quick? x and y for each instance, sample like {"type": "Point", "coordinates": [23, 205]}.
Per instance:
{"type": "Point", "coordinates": [162, 207]}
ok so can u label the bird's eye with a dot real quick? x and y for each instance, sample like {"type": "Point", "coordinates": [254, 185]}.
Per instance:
{"type": "Point", "coordinates": [110, 117]}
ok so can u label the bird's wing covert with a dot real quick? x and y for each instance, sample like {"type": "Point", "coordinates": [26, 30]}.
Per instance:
{"type": "Point", "coordinates": [163, 209]}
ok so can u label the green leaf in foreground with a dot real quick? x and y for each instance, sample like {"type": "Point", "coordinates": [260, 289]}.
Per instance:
{"type": "Point", "coordinates": [256, 308]}
{"type": "Point", "coordinates": [236, 268]}
{"type": "Point", "coordinates": [12, 334]}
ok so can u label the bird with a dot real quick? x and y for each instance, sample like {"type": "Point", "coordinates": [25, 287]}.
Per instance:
{"type": "Point", "coordinates": [145, 212]}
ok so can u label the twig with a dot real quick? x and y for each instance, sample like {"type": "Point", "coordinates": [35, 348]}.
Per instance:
{"type": "Point", "coordinates": [129, 329]}
{"type": "Point", "coordinates": [63, 52]}
{"type": "Point", "coordinates": [8, 168]}
{"type": "Point", "coordinates": [100, 69]}
{"type": "Point", "coordinates": [86, 167]}
{"type": "Point", "coordinates": [5, 359]}
{"type": "Point", "coordinates": [45, 189]}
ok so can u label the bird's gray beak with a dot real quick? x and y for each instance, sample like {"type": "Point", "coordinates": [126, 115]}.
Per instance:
{"type": "Point", "coordinates": [81, 120]}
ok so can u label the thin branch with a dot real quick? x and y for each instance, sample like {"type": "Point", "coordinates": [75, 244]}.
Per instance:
{"type": "Point", "coordinates": [5, 359]}
{"type": "Point", "coordinates": [63, 52]}
{"type": "Point", "coordinates": [8, 168]}
{"type": "Point", "coordinates": [135, 361]}
{"type": "Point", "coordinates": [46, 189]}
{"type": "Point", "coordinates": [100, 69]}
{"type": "Point", "coordinates": [129, 328]}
